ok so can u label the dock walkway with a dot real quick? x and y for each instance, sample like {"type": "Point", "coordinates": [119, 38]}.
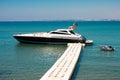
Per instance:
{"type": "Point", "coordinates": [64, 66]}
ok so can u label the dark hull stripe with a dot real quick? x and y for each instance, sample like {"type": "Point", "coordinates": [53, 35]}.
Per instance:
{"type": "Point", "coordinates": [45, 40]}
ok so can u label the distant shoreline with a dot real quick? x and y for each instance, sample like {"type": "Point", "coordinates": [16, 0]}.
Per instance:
{"type": "Point", "coordinates": [67, 21]}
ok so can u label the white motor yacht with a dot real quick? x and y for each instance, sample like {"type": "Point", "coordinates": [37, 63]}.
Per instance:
{"type": "Point", "coordinates": [59, 36]}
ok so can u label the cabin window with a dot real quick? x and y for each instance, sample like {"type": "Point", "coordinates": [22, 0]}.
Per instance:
{"type": "Point", "coordinates": [59, 33]}
{"type": "Point", "coordinates": [63, 31]}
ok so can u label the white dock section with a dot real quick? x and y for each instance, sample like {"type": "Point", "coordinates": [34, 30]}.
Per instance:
{"type": "Point", "coordinates": [64, 66]}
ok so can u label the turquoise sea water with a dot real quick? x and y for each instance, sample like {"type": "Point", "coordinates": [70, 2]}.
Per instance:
{"type": "Point", "coordinates": [30, 61]}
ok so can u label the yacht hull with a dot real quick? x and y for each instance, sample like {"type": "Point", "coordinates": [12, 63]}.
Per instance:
{"type": "Point", "coordinates": [28, 39]}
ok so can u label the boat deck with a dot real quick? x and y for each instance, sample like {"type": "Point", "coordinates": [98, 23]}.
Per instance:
{"type": "Point", "coordinates": [32, 34]}
{"type": "Point", "coordinates": [65, 65]}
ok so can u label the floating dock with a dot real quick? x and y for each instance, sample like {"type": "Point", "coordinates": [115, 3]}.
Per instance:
{"type": "Point", "coordinates": [65, 65]}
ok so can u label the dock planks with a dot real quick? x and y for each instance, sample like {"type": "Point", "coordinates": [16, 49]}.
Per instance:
{"type": "Point", "coordinates": [65, 65]}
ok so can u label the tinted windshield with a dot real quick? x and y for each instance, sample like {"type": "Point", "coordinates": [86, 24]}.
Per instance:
{"type": "Point", "coordinates": [72, 32]}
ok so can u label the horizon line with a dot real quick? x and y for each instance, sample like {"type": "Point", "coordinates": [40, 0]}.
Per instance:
{"type": "Point", "coordinates": [59, 20]}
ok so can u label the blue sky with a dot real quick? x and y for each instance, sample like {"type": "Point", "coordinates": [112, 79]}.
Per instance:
{"type": "Point", "coordinates": [33, 10]}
